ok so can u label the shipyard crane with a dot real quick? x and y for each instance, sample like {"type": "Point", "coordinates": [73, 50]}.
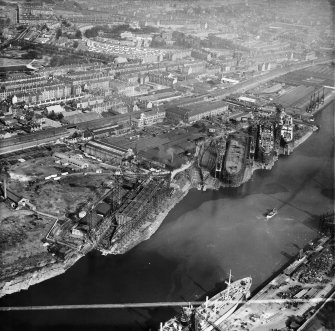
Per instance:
{"type": "Point", "coordinates": [119, 176]}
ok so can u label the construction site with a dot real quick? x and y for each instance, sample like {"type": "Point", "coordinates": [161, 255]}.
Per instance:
{"type": "Point", "coordinates": [230, 158]}
{"type": "Point", "coordinates": [120, 218]}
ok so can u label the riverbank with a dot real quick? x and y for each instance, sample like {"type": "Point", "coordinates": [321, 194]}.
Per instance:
{"type": "Point", "coordinates": [194, 182]}
{"type": "Point", "coordinates": [303, 138]}
{"type": "Point", "coordinates": [37, 275]}
{"type": "Point", "coordinates": [328, 99]}
{"type": "Point", "coordinates": [145, 234]}
{"type": "Point", "coordinates": [24, 281]}
{"type": "Point", "coordinates": [200, 240]}
{"type": "Point", "coordinates": [301, 282]}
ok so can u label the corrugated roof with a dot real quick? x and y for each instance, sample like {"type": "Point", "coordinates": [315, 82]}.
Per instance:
{"type": "Point", "coordinates": [78, 118]}
{"type": "Point", "coordinates": [108, 147]}
{"type": "Point", "coordinates": [103, 208]}
{"type": "Point", "coordinates": [12, 196]}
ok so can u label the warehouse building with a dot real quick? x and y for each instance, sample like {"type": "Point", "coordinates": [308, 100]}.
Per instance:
{"type": "Point", "coordinates": [71, 161]}
{"type": "Point", "coordinates": [106, 151]}
{"type": "Point", "coordinates": [149, 118]}
{"type": "Point", "coordinates": [195, 112]}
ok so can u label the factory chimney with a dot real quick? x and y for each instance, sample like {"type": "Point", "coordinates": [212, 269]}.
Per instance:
{"type": "Point", "coordinates": [5, 187]}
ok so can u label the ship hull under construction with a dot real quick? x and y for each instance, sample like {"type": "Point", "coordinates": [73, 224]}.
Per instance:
{"type": "Point", "coordinates": [235, 160]}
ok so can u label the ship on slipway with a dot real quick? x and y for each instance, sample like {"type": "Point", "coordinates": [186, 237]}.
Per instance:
{"type": "Point", "coordinates": [235, 159]}
{"type": "Point", "coordinates": [213, 311]}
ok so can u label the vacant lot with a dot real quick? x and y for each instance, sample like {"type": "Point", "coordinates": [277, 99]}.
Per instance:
{"type": "Point", "coordinates": [21, 234]}
{"type": "Point", "coordinates": [64, 196]}
{"type": "Point", "coordinates": [36, 167]}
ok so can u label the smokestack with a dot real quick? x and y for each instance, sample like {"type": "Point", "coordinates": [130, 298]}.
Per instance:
{"type": "Point", "coordinates": [5, 187]}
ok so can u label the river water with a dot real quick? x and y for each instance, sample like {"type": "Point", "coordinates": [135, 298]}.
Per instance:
{"type": "Point", "coordinates": [203, 237]}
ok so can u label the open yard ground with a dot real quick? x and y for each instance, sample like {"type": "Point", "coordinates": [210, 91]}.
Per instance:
{"type": "Point", "coordinates": [64, 196]}
{"type": "Point", "coordinates": [295, 96]}
{"type": "Point", "coordinates": [6, 62]}
{"type": "Point", "coordinates": [32, 153]}
{"type": "Point", "coordinates": [35, 168]}
{"type": "Point", "coordinates": [313, 76]}
{"type": "Point", "coordinates": [21, 234]}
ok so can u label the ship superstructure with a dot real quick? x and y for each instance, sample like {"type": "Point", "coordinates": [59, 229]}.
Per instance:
{"type": "Point", "coordinates": [286, 126]}
{"type": "Point", "coordinates": [213, 311]}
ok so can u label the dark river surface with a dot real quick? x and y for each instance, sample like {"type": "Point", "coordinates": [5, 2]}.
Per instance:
{"type": "Point", "coordinates": [203, 237]}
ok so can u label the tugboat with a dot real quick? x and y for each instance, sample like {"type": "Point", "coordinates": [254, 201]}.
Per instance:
{"type": "Point", "coordinates": [271, 213]}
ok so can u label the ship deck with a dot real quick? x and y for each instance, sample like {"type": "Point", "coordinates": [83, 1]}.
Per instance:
{"type": "Point", "coordinates": [235, 157]}
{"type": "Point", "coordinates": [224, 303]}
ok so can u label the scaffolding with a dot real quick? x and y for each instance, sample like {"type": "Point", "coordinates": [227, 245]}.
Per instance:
{"type": "Point", "coordinates": [141, 203]}
{"type": "Point", "coordinates": [221, 150]}
{"type": "Point", "coordinates": [316, 100]}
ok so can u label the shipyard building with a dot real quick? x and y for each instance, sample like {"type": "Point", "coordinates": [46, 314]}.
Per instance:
{"type": "Point", "coordinates": [106, 151]}
{"type": "Point", "coordinates": [195, 112]}
{"type": "Point", "coordinates": [149, 118]}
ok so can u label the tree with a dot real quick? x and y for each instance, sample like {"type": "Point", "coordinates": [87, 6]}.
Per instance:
{"type": "Point", "coordinates": [45, 113]}
{"type": "Point", "coordinates": [76, 134]}
{"type": "Point", "coordinates": [29, 115]}
{"type": "Point", "coordinates": [52, 115]}
{"type": "Point", "coordinates": [58, 33]}
{"type": "Point", "coordinates": [78, 34]}
{"type": "Point", "coordinates": [66, 23]}
{"type": "Point", "coordinates": [60, 116]}
{"type": "Point", "coordinates": [4, 175]}
{"type": "Point", "coordinates": [75, 44]}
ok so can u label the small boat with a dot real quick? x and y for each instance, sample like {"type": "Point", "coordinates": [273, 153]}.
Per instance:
{"type": "Point", "coordinates": [271, 213]}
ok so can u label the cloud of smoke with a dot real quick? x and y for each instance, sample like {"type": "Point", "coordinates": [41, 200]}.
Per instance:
{"type": "Point", "coordinates": [166, 155]}
{"type": "Point", "coordinates": [170, 151]}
